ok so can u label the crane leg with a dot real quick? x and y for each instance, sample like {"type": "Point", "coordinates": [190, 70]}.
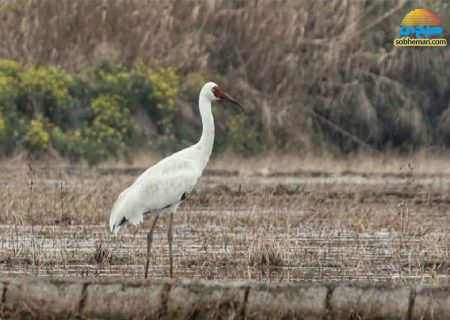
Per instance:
{"type": "Point", "coordinates": [170, 238]}
{"type": "Point", "coordinates": [149, 245]}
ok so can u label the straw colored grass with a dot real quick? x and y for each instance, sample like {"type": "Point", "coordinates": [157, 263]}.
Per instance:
{"type": "Point", "coordinates": [296, 228]}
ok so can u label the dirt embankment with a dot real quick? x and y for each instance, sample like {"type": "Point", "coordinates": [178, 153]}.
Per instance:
{"type": "Point", "coordinates": [183, 299]}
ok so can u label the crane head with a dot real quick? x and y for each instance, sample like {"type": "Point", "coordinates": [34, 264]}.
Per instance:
{"type": "Point", "coordinates": [220, 95]}
{"type": "Point", "coordinates": [212, 92]}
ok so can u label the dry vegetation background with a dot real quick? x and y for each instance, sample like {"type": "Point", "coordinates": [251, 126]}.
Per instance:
{"type": "Point", "coordinates": [314, 76]}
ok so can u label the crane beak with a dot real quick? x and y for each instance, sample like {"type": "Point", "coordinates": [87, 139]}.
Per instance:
{"type": "Point", "coordinates": [223, 96]}
{"type": "Point", "coordinates": [236, 104]}
{"type": "Point", "coordinates": [226, 97]}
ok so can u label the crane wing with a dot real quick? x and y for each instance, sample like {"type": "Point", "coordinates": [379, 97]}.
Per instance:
{"type": "Point", "coordinates": [176, 163]}
{"type": "Point", "coordinates": [153, 191]}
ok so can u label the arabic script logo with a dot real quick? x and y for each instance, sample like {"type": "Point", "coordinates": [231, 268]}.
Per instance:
{"type": "Point", "coordinates": [420, 27]}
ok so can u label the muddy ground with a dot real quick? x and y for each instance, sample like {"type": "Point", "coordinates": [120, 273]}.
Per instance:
{"type": "Point", "coordinates": [303, 226]}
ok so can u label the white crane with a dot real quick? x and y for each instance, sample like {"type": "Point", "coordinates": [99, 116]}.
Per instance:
{"type": "Point", "coordinates": [166, 184]}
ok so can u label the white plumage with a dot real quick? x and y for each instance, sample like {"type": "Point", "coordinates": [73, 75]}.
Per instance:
{"type": "Point", "coordinates": [160, 187]}
{"type": "Point", "coordinates": [166, 184]}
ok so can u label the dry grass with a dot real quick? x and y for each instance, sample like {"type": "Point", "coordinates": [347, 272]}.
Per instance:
{"type": "Point", "coordinates": [292, 63]}
{"type": "Point", "coordinates": [306, 228]}
{"type": "Point", "coordinates": [422, 163]}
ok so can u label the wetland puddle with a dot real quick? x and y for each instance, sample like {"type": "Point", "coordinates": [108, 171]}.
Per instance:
{"type": "Point", "coordinates": [310, 229]}
{"type": "Point", "coordinates": [218, 249]}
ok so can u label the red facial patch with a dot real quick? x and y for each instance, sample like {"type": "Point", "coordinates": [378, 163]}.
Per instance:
{"type": "Point", "coordinates": [217, 92]}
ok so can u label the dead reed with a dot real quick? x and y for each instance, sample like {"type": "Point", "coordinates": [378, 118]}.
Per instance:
{"type": "Point", "coordinates": [311, 73]}
{"type": "Point", "coordinates": [279, 228]}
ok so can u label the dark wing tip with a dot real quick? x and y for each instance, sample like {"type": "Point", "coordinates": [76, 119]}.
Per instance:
{"type": "Point", "coordinates": [123, 221]}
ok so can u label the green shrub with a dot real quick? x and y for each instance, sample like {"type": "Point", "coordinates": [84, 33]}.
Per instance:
{"type": "Point", "coordinates": [70, 144]}
{"type": "Point", "coordinates": [10, 67]}
{"type": "Point", "coordinates": [165, 86]}
{"type": "Point", "coordinates": [108, 130]}
{"type": "Point", "coordinates": [9, 81]}
{"type": "Point", "coordinates": [37, 137]}
{"type": "Point", "coordinates": [8, 88]}
{"type": "Point", "coordinates": [14, 128]}
{"type": "Point", "coordinates": [165, 83]}
{"type": "Point", "coordinates": [133, 86]}
{"type": "Point", "coordinates": [105, 133]}
{"type": "Point", "coordinates": [2, 131]}
{"type": "Point", "coordinates": [240, 137]}
{"type": "Point", "coordinates": [45, 90]}
{"type": "Point", "coordinates": [109, 113]}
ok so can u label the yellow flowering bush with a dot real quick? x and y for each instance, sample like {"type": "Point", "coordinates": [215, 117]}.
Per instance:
{"type": "Point", "coordinates": [10, 67]}
{"type": "Point", "coordinates": [45, 90]}
{"type": "Point", "coordinates": [106, 134]}
{"type": "Point", "coordinates": [9, 88]}
{"type": "Point", "coordinates": [41, 80]}
{"type": "Point", "coordinates": [104, 110]}
{"type": "Point", "coordinates": [9, 83]}
{"type": "Point", "coordinates": [110, 118]}
{"type": "Point", "coordinates": [165, 85]}
{"type": "Point", "coordinates": [37, 137]}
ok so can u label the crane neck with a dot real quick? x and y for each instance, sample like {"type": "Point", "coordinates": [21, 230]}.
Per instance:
{"type": "Point", "coordinates": [207, 139]}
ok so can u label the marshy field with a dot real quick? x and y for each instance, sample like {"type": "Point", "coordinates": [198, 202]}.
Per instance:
{"type": "Point", "coordinates": [303, 220]}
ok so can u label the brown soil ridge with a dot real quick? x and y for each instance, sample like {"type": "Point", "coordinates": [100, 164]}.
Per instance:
{"type": "Point", "coordinates": [56, 298]}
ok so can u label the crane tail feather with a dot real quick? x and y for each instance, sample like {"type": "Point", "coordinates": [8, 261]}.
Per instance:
{"type": "Point", "coordinates": [124, 211]}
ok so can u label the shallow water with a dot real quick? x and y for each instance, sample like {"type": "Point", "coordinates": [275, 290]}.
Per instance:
{"type": "Point", "coordinates": [217, 251]}
{"type": "Point", "coordinates": [325, 228]}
